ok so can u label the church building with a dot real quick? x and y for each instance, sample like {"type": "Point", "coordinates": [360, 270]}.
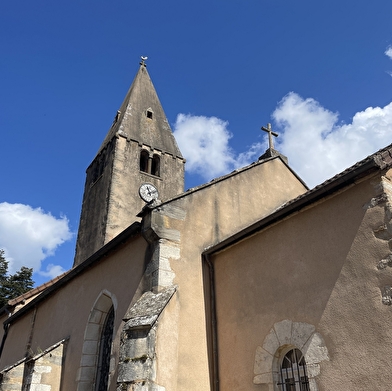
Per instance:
{"type": "Point", "coordinates": [248, 282]}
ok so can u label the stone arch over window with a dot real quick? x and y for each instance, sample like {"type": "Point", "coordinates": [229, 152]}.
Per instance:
{"type": "Point", "coordinates": [156, 165]}
{"type": "Point", "coordinates": [144, 156]}
{"type": "Point", "coordinates": [284, 337]}
{"type": "Point", "coordinates": [97, 341]}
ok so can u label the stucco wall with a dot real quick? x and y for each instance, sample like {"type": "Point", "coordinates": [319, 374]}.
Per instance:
{"type": "Point", "coordinates": [66, 312]}
{"type": "Point", "coordinates": [201, 219]}
{"type": "Point", "coordinates": [318, 267]}
{"type": "Point", "coordinates": [186, 225]}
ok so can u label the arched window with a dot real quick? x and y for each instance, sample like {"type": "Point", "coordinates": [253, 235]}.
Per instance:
{"type": "Point", "coordinates": [95, 371]}
{"type": "Point", "coordinates": [155, 167]}
{"type": "Point", "coordinates": [272, 359]}
{"type": "Point", "coordinates": [144, 161]}
{"type": "Point", "coordinates": [293, 376]}
{"type": "Point", "coordinates": [103, 367]}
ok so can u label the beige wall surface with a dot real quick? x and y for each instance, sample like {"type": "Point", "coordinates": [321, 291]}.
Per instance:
{"type": "Point", "coordinates": [202, 218]}
{"type": "Point", "coordinates": [66, 312]}
{"type": "Point", "coordinates": [187, 226]}
{"type": "Point", "coordinates": [318, 267]}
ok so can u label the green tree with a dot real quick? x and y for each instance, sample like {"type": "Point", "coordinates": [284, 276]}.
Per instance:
{"type": "Point", "coordinates": [13, 285]}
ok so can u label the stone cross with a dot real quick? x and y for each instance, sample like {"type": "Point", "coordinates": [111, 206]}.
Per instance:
{"type": "Point", "coordinates": [268, 129]}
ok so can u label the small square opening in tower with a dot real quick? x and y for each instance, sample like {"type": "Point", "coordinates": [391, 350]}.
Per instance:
{"type": "Point", "coordinates": [149, 114]}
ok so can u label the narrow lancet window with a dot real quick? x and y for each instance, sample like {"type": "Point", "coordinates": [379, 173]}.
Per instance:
{"type": "Point", "coordinates": [144, 161]}
{"type": "Point", "coordinates": [155, 167]}
{"type": "Point", "coordinates": [293, 376]}
{"type": "Point", "coordinates": [105, 348]}
{"type": "Point", "coordinates": [97, 168]}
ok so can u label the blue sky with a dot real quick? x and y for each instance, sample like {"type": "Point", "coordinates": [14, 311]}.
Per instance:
{"type": "Point", "coordinates": [320, 72]}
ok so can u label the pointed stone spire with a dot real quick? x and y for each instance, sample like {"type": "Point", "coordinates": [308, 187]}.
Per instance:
{"type": "Point", "coordinates": [141, 117]}
{"type": "Point", "coordinates": [139, 148]}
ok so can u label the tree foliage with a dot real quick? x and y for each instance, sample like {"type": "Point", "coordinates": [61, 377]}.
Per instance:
{"type": "Point", "coordinates": [13, 285]}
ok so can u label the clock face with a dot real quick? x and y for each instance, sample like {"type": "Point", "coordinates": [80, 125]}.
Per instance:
{"type": "Point", "coordinates": [148, 192]}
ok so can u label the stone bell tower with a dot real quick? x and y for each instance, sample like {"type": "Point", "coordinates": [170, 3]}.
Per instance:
{"type": "Point", "coordinates": [139, 148]}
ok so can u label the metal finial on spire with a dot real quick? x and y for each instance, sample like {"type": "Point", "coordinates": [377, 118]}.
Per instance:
{"type": "Point", "coordinates": [144, 59]}
{"type": "Point", "coordinates": [268, 129]}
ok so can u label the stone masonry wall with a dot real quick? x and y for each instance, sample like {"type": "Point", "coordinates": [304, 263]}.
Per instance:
{"type": "Point", "coordinates": [40, 373]}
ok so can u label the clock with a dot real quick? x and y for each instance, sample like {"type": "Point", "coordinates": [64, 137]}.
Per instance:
{"type": "Point", "coordinates": [148, 192]}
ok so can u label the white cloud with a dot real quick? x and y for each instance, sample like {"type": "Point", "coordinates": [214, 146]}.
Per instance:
{"type": "Point", "coordinates": [29, 235]}
{"type": "Point", "coordinates": [204, 141]}
{"type": "Point", "coordinates": [388, 52]}
{"type": "Point", "coordinates": [318, 147]}
{"type": "Point", "coordinates": [52, 271]}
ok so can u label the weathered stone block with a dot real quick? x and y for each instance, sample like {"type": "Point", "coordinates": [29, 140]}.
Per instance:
{"type": "Point", "coordinates": [313, 370]}
{"type": "Point", "coordinates": [136, 346]}
{"type": "Point", "coordinates": [90, 347]}
{"type": "Point", "coordinates": [89, 360]}
{"type": "Point", "coordinates": [39, 387]}
{"type": "Point", "coordinates": [315, 350]}
{"type": "Point", "coordinates": [162, 278]}
{"type": "Point", "coordinates": [263, 378]}
{"type": "Point", "coordinates": [104, 303]}
{"type": "Point", "coordinates": [271, 342]}
{"type": "Point", "coordinates": [146, 310]}
{"type": "Point", "coordinates": [300, 333]}
{"type": "Point", "coordinates": [84, 386]}
{"type": "Point", "coordinates": [96, 316]}
{"type": "Point", "coordinates": [313, 385]}
{"type": "Point", "coordinates": [263, 361]}
{"type": "Point", "coordinates": [135, 369]}
{"type": "Point", "coordinates": [283, 331]}
{"type": "Point", "coordinates": [93, 331]}
{"type": "Point", "coordinates": [170, 251]}
{"type": "Point", "coordinates": [86, 373]}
